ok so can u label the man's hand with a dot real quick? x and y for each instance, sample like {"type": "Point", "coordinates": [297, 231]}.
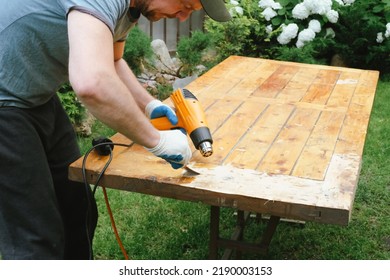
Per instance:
{"type": "Point", "coordinates": [173, 147]}
{"type": "Point", "coordinates": [157, 109]}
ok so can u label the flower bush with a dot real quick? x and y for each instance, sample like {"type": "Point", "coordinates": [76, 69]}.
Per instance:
{"type": "Point", "coordinates": [297, 20]}
{"type": "Point", "coordinates": [362, 35]}
{"type": "Point", "coordinates": [308, 31]}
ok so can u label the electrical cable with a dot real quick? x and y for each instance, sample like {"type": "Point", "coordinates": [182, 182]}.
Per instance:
{"type": "Point", "coordinates": [118, 239]}
{"type": "Point", "coordinates": [107, 146]}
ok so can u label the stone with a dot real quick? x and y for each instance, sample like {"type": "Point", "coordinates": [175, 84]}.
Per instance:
{"type": "Point", "coordinates": [163, 61]}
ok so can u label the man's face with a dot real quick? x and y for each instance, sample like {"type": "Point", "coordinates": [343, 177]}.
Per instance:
{"type": "Point", "coordinates": [157, 9]}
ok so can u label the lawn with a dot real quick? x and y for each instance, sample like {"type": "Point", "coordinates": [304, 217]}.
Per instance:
{"type": "Point", "coordinates": [157, 228]}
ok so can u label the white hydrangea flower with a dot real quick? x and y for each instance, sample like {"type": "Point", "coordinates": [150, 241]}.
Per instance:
{"type": "Point", "coordinates": [387, 33]}
{"type": "Point", "coordinates": [305, 36]}
{"type": "Point", "coordinates": [268, 14]}
{"type": "Point", "coordinates": [310, 4]}
{"type": "Point", "coordinates": [239, 10]}
{"type": "Point", "coordinates": [265, 3]}
{"type": "Point", "coordinates": [379, 37]}
{"type": "Point", "coordinates": [236, 9]}
{"type": "Point", "coordinates": [318, 7]}
{"type": "Point", "coordinates": [315, 25]}
{"type": "Point", "coordinates": [269, 29]}
{"type": "Point", "coordinates": [289, 32]}
{"type": "Point", "coordinates": [269, 4]}
{"type": "Point", "coordinates": [333, 16]}
{"type": "Point", "coordinates": [300, 11]}
{"type": "Point", "coordinates": [340, 2]}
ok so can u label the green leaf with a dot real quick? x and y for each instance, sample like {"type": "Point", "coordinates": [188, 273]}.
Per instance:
{"type": "Point", "coordinates": [284, 3]}
{"type": "Point", "coordinates": [378, 9]}
{"type": "Point", "coordinates": [276, 21]}
{"type": "Point", "coordinates": [282, 12]}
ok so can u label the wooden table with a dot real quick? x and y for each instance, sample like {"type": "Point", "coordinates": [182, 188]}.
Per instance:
{"type": "Point", "coordinates": [288, 142]}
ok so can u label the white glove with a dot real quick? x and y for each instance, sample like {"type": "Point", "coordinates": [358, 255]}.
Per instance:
{"type": "Point", "coordinates": [156, 109]}
{"type": "Point", "coordinates": [173, 147]}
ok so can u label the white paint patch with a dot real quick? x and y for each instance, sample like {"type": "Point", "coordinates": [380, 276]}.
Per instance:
{"type": "Point", "coordinates": [347, 82]}
{"type": "Point", "coordinates": [335, 191]}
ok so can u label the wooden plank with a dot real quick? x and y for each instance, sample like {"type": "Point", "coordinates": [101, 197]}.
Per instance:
{"type": "Point", "coordinates": [319, 147]}
{"type": "Point", "coordinates": [201, 85]}
{"type": "Point", "coordinates": [349, 77]}
{"type": "Point", "coordinates": [327, 76]}
{"type": "Point", "coordinates": [341, 95]}
{"type": "Point", "coordinates": [287, 147]}
{"type": "Point", "coordinates": [304, 76]}
{"type": "Point", "coordinates": [293, 92]}
{"type": "Point", "coordinates": [322, 87]}
{"type": "Point", "coordinates": [205, 84]}
{"type": "Point", "coordinates": [276, 81]}
{"type": "Point", "coordinates": [221, 111]}
{"type": "Point", "coordinates": [242, 69]}
{"type": "Point", "coordinates": [353, 133]}
{"type": "Point", "coordinates": [318, 94]}
{"type": "Point", "coordinates": [232, 129]}
{"type": "Point", "coordinates": [233, 71]}
{"type": "Point", "coordinates": [252, 81]}
{"type": "Point", "coordinates": [344, 89]}
{"type": "Point", "coordinates": [298, 85]}
{"type": "Point", "coordinates": [252, 148]}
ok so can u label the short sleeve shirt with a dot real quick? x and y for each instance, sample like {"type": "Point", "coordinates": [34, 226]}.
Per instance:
{"type": "Point", "coordinates": [34, 46]}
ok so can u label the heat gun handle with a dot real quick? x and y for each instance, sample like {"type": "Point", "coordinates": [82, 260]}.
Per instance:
{"type": "Point", "coordinates": [163, 123]}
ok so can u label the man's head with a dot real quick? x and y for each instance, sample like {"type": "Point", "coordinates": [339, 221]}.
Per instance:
{"type": "Point", "coordinates": [157, 9]}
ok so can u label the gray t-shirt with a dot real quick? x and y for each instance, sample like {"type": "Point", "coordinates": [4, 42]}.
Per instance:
{"type": "Point", "coordinates": [34, 45]}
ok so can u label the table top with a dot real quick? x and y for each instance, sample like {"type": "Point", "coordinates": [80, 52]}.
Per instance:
{"type": "Point", "coordinates": [288, 141]}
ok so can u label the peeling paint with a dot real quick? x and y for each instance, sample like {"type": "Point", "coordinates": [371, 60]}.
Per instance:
{"type": "Point", "coordinates": [335, 191]}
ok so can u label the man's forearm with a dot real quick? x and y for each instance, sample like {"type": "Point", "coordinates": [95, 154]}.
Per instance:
{"type": "Point", "coordinates": [140, 94]}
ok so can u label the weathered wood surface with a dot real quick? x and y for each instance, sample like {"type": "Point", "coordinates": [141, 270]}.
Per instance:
{"type": "Point", "coordinates": [288, 141]}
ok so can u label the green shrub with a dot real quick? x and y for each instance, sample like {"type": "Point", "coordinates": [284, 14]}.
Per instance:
{"type": "Point", "coordinates": [190, 51]}
{"type": "Point", "coordinates": [73, 107]}
{"type": "Point", "coordinates": [357, 35]}
{"type": "Point", "coordinates": [137, 49]}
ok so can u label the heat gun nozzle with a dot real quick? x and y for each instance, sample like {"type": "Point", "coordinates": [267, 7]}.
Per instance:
{"type": "Point", "coordinates": [206, 149]}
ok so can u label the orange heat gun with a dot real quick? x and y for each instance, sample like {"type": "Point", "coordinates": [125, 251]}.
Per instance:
{"type": "Point", "coordinates": [192, 118]}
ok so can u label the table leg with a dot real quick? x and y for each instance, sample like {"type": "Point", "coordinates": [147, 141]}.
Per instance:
{"type": "Point", "coordinates": [269, 232]}
{"type": "Point", "coordinates": [236, 241]}
{"type": "Point", "coordinates": [214, 232]}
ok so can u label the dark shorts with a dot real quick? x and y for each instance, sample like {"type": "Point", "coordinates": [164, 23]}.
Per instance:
{"type": "Point", "coordinates": [43, 215]}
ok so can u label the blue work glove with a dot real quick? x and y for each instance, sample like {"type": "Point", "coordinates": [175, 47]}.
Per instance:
{"type": "Point", "coordinates": [157, 109]}
{"type": "Point", "coordinates": [173, 147]}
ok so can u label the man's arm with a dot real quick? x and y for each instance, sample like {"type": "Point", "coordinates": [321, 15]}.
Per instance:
{"type": "Point", "coordinates": [102, 85]}
{"type": "Point", "coordinates": [140, 94]}
{"type": "Point", "coordinates": [152, 107]}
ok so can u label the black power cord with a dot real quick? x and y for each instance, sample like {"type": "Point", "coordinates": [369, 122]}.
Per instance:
{"type": "Point", "coordinates": [103, 146]}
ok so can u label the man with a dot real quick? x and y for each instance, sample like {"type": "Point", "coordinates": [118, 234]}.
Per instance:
{"type": "Point", "coordinates": [44, 43]}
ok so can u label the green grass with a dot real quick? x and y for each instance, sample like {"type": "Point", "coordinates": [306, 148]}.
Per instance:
{"type": "Point", "coordinates": [159, 228]}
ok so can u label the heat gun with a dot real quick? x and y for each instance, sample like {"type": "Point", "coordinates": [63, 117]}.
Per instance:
{"type": "Point", "coordinates": [191, 118]}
